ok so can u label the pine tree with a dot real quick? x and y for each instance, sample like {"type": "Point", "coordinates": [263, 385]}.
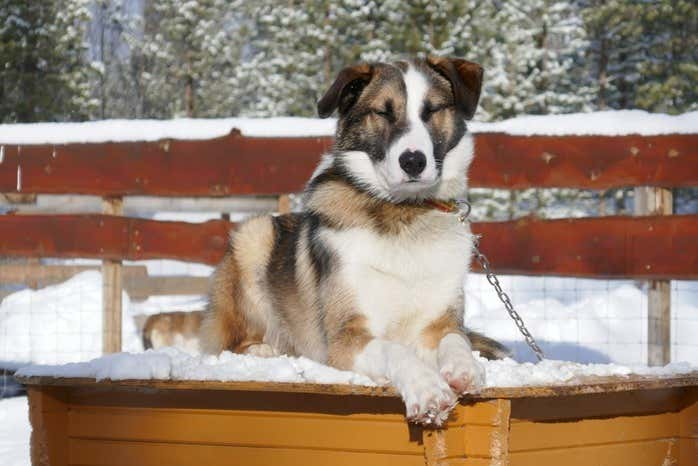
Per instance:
{"type": "Point", "coordinates": [44, 76]}
{"type": "Point", "coordinates": [188, 48]}
{"type": "Point", "coordinates": [615, 50]}
{"type": "Point", "coordinates": [669, 74]}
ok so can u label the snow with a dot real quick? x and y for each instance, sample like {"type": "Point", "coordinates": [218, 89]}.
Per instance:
{"type": "Point", "coordinates": [174, 364]}
{"type": "Point", "coordinates": [596, 123]}
{"type": "Point", "coordinates": [154, 130]}
{"type": "Point", "coordinates": [60, 323]}
{"type": "Point", "coordinates": [14, 431]}
{"type": "Point", "coordinates": [607, 123]}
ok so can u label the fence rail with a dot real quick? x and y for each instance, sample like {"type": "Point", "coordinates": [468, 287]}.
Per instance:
{"type": "Point", "coordinates": [617, 247]}
{"type": "Point", "coordinates": [237, 165]}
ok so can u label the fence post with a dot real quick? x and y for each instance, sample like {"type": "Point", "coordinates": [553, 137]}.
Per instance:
{"type": "Point", "coordinates": [657, 201]}
{"type": "Point", "coordinates": [111, 288]}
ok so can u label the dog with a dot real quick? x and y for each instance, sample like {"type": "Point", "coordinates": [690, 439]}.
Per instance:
{"type": "Point", "coordinates": [369, 277]}
{"type": "Point", "coordinates": [179, 328]}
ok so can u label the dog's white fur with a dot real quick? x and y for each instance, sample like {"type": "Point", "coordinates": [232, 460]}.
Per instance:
{"type": "Point", "coordinates": [406, 282]}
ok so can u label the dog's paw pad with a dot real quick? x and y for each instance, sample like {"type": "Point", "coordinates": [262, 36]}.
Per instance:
{"type": "Point", "coordinates": [464, 377]}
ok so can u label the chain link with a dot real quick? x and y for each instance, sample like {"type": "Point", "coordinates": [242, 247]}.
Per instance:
{"type": "Point", "coordinates": [463, 214]}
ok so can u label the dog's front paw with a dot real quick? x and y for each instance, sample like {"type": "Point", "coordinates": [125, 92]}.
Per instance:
{"type": "Point", "coordinates": [458, 367]}
{"type": "Point", "coordinates": [464, 376]}
{"type": "Point", "coordinates": [428, 398]}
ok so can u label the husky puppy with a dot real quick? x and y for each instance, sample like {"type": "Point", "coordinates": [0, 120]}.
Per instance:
{"type": "Point", "coordinates": [370, 276]}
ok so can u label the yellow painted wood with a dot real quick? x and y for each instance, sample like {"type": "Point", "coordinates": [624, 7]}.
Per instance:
{"type": "Point", "coordinates": [244, 429]}
{"type": "Point", "coordinates": [644, 453]}
{"type": "Point", "coordinates": [107, 453]}
{"type": "Point", "coordinates": [542, 435]}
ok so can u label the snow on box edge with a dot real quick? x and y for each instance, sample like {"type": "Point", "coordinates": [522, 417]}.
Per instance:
{"type": "Point", "coordinates": [174, 364]}
{"type": "Point", "coordinates": [607, 123]}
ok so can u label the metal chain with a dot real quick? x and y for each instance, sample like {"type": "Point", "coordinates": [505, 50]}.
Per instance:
{"type": "Point", "coordinates": [463, 214]}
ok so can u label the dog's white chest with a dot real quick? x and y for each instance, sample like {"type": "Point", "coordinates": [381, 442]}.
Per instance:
{"type": "Point", "coordinates": [403, 282]}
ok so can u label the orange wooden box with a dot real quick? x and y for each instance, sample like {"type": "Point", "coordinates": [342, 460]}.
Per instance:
{"type": "Point", "coordinates": [603, 421]}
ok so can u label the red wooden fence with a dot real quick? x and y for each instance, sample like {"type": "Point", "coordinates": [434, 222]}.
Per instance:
{"type": "Point", "coordinates": [642, 247]}
{"type": "Point", "coordinates": [236, 165]}
{"type": "Point", "coordinates": [651, 247]}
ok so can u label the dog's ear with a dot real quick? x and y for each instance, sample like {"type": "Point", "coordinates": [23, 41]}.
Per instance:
{"type": "Point", "coordinates": [345, 90]}
{"type": "Point", "coordinates": [465, 78]}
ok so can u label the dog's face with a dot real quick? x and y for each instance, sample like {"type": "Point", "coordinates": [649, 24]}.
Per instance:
{"type": "Point", "coordinates": [401, 127]}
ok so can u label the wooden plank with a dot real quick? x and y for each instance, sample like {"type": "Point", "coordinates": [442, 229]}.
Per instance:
{"type": "Point", "coordinates": [608, 247]}
{"type": "Point", "coordinates": [580, 386]}
{"type": "Point", "coordinates": [611, 247]}
{"type": "Point", "coordinates": [246, 165]}
{"type": "Point", "coordinates": [587, 162]}
{"type": "Point", "coordinates": [530, 435]}
{"type": "Point", "coordinates": [140, 288]}
{"type": "Point", "coordinates": [40, 275]}
{"type": "Point", "coordinates": [48, 413]}
{"type": "Point", "coordinates": [109, 453]}
{"type": "Point", "coordinates": [109, 237]}
{"type": "Point", "coordinates": [111, 289]}
{"type": "Point", "coordinates": [244, 428]}
{"type": "Point", "coordinates": [657, 201]}
{"type": "Point", "coordinates": [213, 168]}
{"type": "Point", "coordinates": [643, 453]}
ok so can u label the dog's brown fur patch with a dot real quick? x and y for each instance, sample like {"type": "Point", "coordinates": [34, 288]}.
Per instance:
{"type": "Point", "coordinates": [439, 328]}
{"type": "Point", "coordinates": [161, 329]}
{"type": "Point", "coordinates": [348, 338]}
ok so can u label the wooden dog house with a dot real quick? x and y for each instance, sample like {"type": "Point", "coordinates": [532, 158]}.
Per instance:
{"type": "Point", "coordinates": [602, 421]}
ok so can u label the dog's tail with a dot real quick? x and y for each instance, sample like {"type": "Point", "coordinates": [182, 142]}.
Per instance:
{"type": "Point", "coordinates": [488, 348]}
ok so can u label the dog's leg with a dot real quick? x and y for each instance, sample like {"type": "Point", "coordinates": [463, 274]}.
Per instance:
{"type": "Point", "coordinates": [238, 309]}
{"type": "Point", "coordinates": [428, 398]}
{"type": "Point", "coordinates": [454, 354]}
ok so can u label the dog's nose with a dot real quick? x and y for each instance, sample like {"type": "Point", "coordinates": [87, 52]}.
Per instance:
{"type": "Point", "coordinates": [413, 162]}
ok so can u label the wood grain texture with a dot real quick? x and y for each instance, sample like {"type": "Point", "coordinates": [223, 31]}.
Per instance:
{"type": "Point", "coordinates": [243, 428]}
{"type": "Point", "coordinates": [110, 453]}
{"type": "Point", "coordinates": [247, 165]}
{"type": "Point", "coordinates": [643, 453]}
{"type": "Point", "coordinates": [614, 247]}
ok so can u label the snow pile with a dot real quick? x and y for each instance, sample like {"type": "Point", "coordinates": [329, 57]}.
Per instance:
{"type": "Point", "coordinates": [174, 364]}
{"type": "Point", "coordinates": [509, 373]}
{"type": "Point", "coordinates": [595, 123]}
{"type": "Point", "coordinates": [154, 130]}
{"type": "Point", "coordinates": [60, 323]}
{"type": "Point", "coordinates": [607, 123]}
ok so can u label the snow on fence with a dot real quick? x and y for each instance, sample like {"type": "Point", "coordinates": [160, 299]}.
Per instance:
{"type": "Point", "coordinates": [654, 247]}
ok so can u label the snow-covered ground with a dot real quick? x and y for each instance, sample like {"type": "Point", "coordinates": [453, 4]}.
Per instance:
{"type": "Point", "coordinates": [14, 432]}
{"type": "Point", "coordinates": [595, 123]}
